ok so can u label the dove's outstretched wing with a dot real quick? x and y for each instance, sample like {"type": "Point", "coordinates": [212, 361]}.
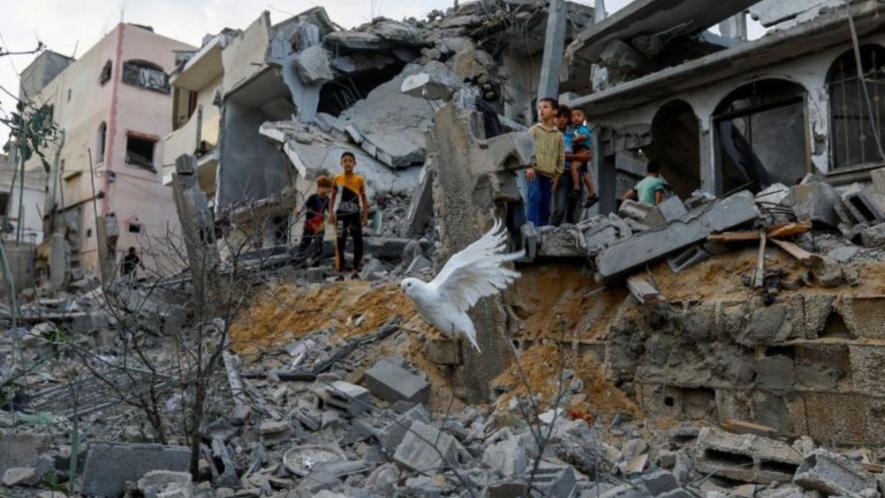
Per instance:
{"type": "Point", "coordinates": [478, 270]}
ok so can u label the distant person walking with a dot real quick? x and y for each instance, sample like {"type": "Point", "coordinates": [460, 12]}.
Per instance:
{"type": "Point", "coordinates": [129, 266]}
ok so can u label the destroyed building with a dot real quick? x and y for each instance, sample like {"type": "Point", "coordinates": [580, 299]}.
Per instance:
{"type": "Point", "coordinates": [111, 107]}
{"type": "Point", "coordinates": [726, 342]}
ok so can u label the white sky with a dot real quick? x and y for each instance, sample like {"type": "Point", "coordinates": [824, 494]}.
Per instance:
{"type": "Point", "coordinates": [71, 27]}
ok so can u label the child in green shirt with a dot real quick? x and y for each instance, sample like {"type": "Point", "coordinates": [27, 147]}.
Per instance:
{"type": "Point", "coordinates": [651, 189]}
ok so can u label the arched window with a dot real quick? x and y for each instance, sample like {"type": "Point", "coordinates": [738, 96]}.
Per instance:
{"type": "Point", "coordinates": [857, 130]}
{"type": "Point", "coordinates": [146, 75]}
{"type": "Point", "coordinates": [100, 142]}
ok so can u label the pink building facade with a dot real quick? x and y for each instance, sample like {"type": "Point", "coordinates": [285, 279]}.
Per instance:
{"type": "Point", "coordinates": [114, 105]}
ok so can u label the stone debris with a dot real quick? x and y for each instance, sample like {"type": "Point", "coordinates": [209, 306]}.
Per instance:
{"type": "Point", "coordinates": [327, 384]}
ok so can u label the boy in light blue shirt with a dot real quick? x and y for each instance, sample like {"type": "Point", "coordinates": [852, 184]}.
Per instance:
{"type": "Point", "coordinates": [651, 189]}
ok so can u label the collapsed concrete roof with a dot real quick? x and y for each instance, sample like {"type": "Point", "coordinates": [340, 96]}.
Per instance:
{"type": "Point", "coordinates": [651, 17]}
{"type": "Point", "coordinates": [824, 31]}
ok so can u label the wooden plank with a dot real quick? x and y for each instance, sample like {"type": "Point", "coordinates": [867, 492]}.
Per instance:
{"type": "Point", "coordinates": [796, 251]}
{"type": "Point", "coordinates": [759, 276]}
{"type": "Point", "coordinates": [744, 427]}
{"type": "Point", "coordinates": [789, 230]}
{"type": "Point", "coordinates": [642, 290]}
{"type": "Point", "coordinates": [774, 232]}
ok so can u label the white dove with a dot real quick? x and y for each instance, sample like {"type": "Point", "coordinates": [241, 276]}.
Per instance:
{"type": "Point", "coordinates": [475, 272]}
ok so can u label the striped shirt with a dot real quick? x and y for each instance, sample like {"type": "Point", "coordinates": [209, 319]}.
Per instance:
{"type": "Point", "coordinates": [549, 156]}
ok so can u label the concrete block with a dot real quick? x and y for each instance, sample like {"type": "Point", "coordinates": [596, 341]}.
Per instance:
{"type": "Point", "coordinates": [392, 382]}
{"type": "Point", "coordinates": [392, 435]}
{"type": "Point", "coordinates": [425, 448]}
{"type": "Point", "coordinates": [861, 208]}
{"type": "Point", "coordinates": [696, 226]}
{"type": "Point", "coordinates": [815, 202]}
{"type": "Point", "coordinates": [831, 474]}
{"type": "Point", "coordinates": [20, 476]}
{"type": "Point", "coordinates": [775, 373]}
{"type": "Point", "coordinates": [665, 213]}
{"type": "Point", "coordinates": [744, 457]}
{"type": "Point", "coordinates": [110, 465]}
{"type": "Point", "coordinates": [351, 398]}
{"type": "Point", "coordinates": [21, 450]}
{"type": "Point", "coordinates": [874, 236]}
{"type": "Point", "coordinates": [687, 258]}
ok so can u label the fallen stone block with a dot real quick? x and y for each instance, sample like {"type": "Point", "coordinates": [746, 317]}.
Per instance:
{"type": "Point", "coordinates": [427, 86]}
{"type": "Point", "coordinates": [110, 465]}
{"type": "Point", "coordinates": [21, 450]}
{"type": "Point", "coordinates": [166, 484]}
{"type": "Point", "coordinates": [665, 213]}
{"type": "Point", "coordinates": [874, 236]}
{"type": "Point", "coordinates": [275, 431]}
{"type": "Point", "coordinates": [391, 381]}
{"type": "Point", "coordinates": [686, 259]}
{"type": "Point", "coordinates": [694, 227]}
{"type": "Point", "coordinates": [744, 457]}
{"type": "Point", "coordinates": [507, 457]}
{"type": "Point", "coordinates": [392, 435]}
{"type": "Point", "coordinates": [832, 474]}
{"type": "Point", "coordinates": [425, 448]}
{"type": "Point", "coordinates": [351, 398]}
{"type": "Point", "coordinates": [815, 202]}
{"type": "Point", "coordinates": [313, 65]}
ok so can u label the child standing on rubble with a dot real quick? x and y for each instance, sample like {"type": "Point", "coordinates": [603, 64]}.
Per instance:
{"type": "Point", "coordinates": [351, 214]}
{"type": "Point", "coordinates": [314, 231]}
{"type": "Point", "coordinates": [582, 141]}
{"type": "Point", "coordinates": [651, 189]}
{"type": "Point", "coordinates": [547, 163]}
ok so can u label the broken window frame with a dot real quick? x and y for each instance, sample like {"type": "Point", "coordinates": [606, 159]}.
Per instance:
{"type": "Point", "coordinates": [147, 75]}
{"type": "Point", "coordinates": [844, 136]}
{"type": "Point", "coordinates": [138, 160]}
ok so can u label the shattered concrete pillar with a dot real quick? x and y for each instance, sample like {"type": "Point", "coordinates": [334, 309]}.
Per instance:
{"type": "Point", "coordinates": [474, 180]}
{"type": "Point", "coordinates": [554, 47]}
{"type": "Point", "coordinates": [197, 228]}
{"type": "Point", "coordinates": [107, 232]}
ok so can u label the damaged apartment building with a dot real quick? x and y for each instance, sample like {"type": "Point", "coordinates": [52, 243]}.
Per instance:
{"type": "Point", "coordinates": [104, 192]}
{"type": "Point", "coordinates": [270, 108]}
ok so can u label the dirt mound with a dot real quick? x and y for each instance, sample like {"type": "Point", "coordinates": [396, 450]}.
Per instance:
{"type": "Point", "coordinates": [536, 373]}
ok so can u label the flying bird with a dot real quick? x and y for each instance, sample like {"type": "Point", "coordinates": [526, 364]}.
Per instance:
{"type": "Point", "coordinates": [475, 272]}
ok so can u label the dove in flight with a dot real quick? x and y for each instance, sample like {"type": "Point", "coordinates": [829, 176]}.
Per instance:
{"type": "Point", "coordinates": [475, 272]}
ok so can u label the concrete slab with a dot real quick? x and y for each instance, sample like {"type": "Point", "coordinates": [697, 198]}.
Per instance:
{"type": "Point", "coordinates": [831, 474]}
{"type": "Point", "coordinates": [392, 382]}
{"type": "Point", "coordinates": [110, 465]}
{"type": "Point", "coordinates": [622, 257]}
{"type": "Point", "coordinates": [21, 450]}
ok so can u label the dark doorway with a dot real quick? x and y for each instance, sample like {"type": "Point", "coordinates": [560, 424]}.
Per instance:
{"type": "Point", "coordinates": [676, 144]}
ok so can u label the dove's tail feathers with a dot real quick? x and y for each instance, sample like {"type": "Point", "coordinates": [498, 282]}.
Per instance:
{"type": "Point", "coordinates": [465, 325]}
